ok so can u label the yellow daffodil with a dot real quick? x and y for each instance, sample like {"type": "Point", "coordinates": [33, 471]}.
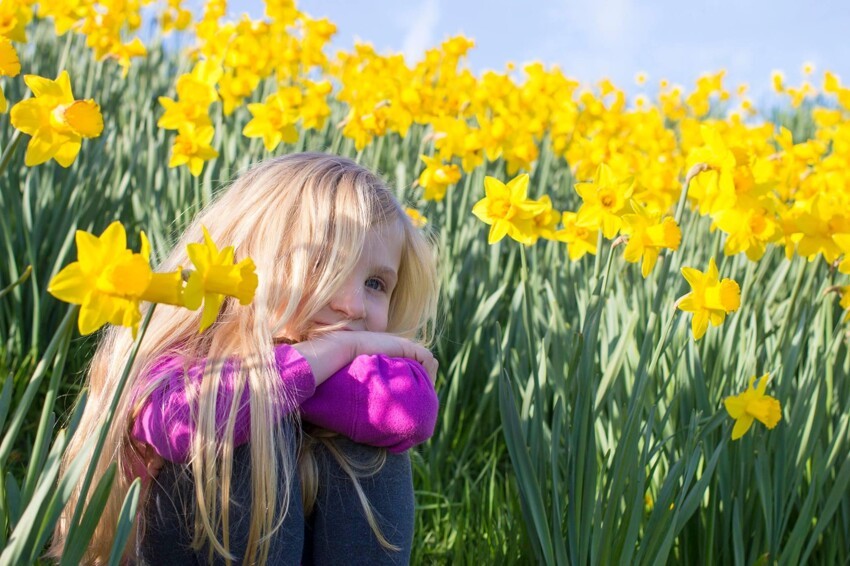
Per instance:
{"type": "Point", "coordinates": [752, 405]}
{"type": "Point", "coordinates": [56, 122]}
{"type": "Point", "coordinates": [10, 66]}
{"type": "Point", "coordinates": [192, 147]}
{"type": "Point", "coordinates": [819, 227]}
{"type": "Point", "coordinates": [579, 239]}
{"type": "Point", "coordinates": [648, 235]}
{"type": "Point", "coordinates": [604, 201]}
{"type": "Point", "coordinates": [109, 281]}
{"type": "Point", "coordinates": [273, 120]}
{"type": "Point", "coordinates": [416, 217]}
{"type": "Point", "coordinates": [436, 177]}
{"type": "Point", "coordinates": [507, 210]}
{"type": "Point", "coordinates": [546, 220]}
{"type": "Point", "coordinates": [217, 276]}
{"type": "Point", "coordinates": [750, 226]}
{"type": "Point", "coordinates": [710, 298]}
{"type": "Point", "coordinates": [14, 18]}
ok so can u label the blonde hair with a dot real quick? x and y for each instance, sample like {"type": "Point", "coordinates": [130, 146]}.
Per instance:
{"type": "Point", "coordinates": [303, 219]}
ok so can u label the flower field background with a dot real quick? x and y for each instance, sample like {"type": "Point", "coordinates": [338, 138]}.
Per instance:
{"type": "Point", "coordinates": [602, 317]}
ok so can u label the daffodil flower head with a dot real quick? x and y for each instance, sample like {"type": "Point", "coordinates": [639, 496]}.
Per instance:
{"type": "Point", "coordinates": [752, 405]}
{"type": "Point", "coordinates": [605, 200]}
{"type": "Point", "coordinates": [436, 177]}
{"type": "Point", "coordinates": [216, 276]}
{"type": "Point", "coordinates": [648, 234]}
{"type": "Point", "coordinates": [507, 209]}
{"type": "Point", "coordinates": [710, 298]}
{"type": "Point", "coordinates": [107, 280]}
{"type": "Point", "coordinates": [56, 122]}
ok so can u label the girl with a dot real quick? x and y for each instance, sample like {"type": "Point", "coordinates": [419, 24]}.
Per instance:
{"type": "Point", "coordinates": [336, 332]}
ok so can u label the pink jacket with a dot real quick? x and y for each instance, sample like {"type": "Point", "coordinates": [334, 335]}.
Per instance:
{"type": "Point", "coordinates": [375, 400]}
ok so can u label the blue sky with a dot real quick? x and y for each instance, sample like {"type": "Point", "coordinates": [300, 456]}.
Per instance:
{"type": "Point", "coordinates": [591, 39]}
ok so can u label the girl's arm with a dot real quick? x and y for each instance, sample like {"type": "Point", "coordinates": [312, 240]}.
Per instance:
{"type": "Point", "coordinates": [409, 403]}
{"type": "Point", "coordinates": [166, 423]}
{"type": "Point", "coordinates": [377, 400]}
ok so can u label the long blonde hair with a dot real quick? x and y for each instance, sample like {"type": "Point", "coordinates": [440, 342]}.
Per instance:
{"type": "Point", "coordinates": [303, 219]}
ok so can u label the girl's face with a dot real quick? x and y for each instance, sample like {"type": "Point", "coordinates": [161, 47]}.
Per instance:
{"type": "Point", "coordinates": [363, 300]}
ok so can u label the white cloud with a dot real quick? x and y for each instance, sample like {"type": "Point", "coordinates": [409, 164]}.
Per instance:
{"type": "Point", "coordinates": [420, 35]}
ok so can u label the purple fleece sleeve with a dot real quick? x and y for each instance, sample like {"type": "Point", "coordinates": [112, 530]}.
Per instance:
{"type": "Point", "coordinates": [376, 400]}
{"type": "Point", "coordinates": [166, 423]}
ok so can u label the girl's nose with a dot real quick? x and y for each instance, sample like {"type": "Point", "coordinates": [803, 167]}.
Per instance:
{"type": "Point", "coordinates": [349, 302]}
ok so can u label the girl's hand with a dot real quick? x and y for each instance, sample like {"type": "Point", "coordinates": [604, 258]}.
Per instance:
{"type": "Point", "coordinates": [373, 343]}
{"type": "Point", "coordinates": [329, 352]}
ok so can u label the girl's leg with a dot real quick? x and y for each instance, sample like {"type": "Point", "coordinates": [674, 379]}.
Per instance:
{"type": "Point", "coordinates": [170, 518]}
{"type": "Point", "coordinates": [337, 531]}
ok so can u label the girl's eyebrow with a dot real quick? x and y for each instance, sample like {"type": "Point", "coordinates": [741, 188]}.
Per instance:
{"type": "Point", "coordinates": [387, 272]}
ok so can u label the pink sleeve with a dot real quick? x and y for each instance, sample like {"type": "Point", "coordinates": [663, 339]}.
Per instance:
{"type": "Point", "coordinates": [166, 423]}
{"type": "Point", "coordinates": [376, 400]}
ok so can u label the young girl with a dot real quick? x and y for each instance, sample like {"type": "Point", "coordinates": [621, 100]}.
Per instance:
{"type": "Point", "coordinates": [336, 335]}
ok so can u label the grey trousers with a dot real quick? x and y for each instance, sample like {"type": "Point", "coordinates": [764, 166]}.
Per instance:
{"type": "Point", "coordinates": [335, 533]}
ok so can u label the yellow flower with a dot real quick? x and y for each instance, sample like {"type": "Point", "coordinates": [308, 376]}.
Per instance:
{"type": "Point", "coordinates": [507, 210]}
{"type": "Point", "coordinates": [546, 220]}
{"type": "Point", "coordinates": [56, 121]}
{"type": "Point", "coordinates": [753, 405]}
{"type": "Point", "coordinates": [195, 92]}
{"type": "Point", "coordinates": [192, 146]}
{"type": "Point", "coordinates": [648, 234]}
{"type": "Point", "coordinates": [10, 66]}
{"type": "Point", "coordinates": [273, 120]}
{"type": "Point", "coordinates": [14, 17]}
{"type": "Point", "coordinates": [579, 239]}
{"type": "Point", "coordinates": [714, 189]}
{"type": "Point", "coordinates": [604, 201]}
{"type": "Point", "coordinates": [710, 299]}
{"type": "Point", "coordinates": [109, 281]}
{"type": "Point", "coordinates": [416, 217]}
{"type": "Point", "coordinates": [750, 227]}
{"type": "Point", "coordinates": [436, 177]}
{"type": "Point", "coordinates": [216, 276]}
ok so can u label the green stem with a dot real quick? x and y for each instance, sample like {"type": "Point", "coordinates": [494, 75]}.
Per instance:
{"type": "Point", "coordinates": [21, 279]}
{"type": "Point", "coordinates": [9, 149]}
{"type": "Point", "coordinates": [65, 327]}
{"type": "Point", "coordinates": [107, 420]}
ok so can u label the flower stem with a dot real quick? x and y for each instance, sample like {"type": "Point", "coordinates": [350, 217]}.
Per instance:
{"type": "Point", "coordinates": [107, 418]}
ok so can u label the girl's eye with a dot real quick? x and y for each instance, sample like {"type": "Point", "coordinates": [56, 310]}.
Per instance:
{"type": "Point", "coordinates": [376, 284]}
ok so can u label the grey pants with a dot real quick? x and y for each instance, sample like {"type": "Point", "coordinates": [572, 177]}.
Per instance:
{"type": "Point", "coordinates": [336, 532]}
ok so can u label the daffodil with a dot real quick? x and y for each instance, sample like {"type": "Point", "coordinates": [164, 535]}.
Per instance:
{"type": "Point", "coordinates": [109, 281]}
{"type": "Point", "coordinates": [14, 18]}
{"type": "Point", "coordinates": [710, 298]}
{"type": "Point", "coordinates": [752, 405]}
{"type": "Point", "coordinates": [216, 276]}
{"type": "Point", "coordinates": [750, 226]}
{"type": "Point", "coordinates": [648, 235]}
{"type": "Point", "coordinates": [416, 217]}
{"type": "Point", "coordinates": [546, 220]}
{"type": "Point", "coordinates": [10, 66]}
{"type": "Point", "coordinates": [436, 177]}
{"type": "Point", "coordinates": [192, 147]}
{"type": "Point", "coordinates": [56, 122]}
{"type": "Point", "coordinates": [604, 201]}
{"type": "Point", "coordinates": [507, 210]}
{"type": "Point", "coordinates": [580, 240]}
{"type": "Point", "coordinates": [273, 120]}
{"type": "Point", "coordinates": [714, 189]}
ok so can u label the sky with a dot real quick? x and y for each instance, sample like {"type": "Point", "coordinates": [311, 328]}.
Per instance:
{"type": "Point", "coordinates": [590, 39]}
